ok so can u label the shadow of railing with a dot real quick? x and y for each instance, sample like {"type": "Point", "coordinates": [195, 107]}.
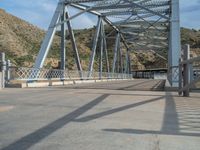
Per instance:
{"type": "Point", "coordinates": [115, 110]}
{"type": "Point", "coordinates": [179, 119]}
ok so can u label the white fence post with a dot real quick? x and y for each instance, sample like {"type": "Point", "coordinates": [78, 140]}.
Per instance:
{"type": "Point", "coordinates": [186, 70]}
{"type": "Point", "coordinates": [3, 68]}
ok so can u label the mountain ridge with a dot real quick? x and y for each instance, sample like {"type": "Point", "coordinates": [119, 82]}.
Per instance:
{"type": "Point", "coordinates": [21, 42]}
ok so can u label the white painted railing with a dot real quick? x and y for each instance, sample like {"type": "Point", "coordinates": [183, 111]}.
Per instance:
{"type": "Point", "coordinates": [27, 74]}
{"type": "Point", "coordinates": [185, 80]}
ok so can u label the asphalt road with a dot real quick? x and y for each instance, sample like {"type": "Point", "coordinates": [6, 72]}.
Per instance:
{"type": "Point", "coordinates": [84, 118]}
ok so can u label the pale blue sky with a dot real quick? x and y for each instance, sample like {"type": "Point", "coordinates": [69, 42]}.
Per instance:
{"type": "Point", "coordinates": [39, 12]}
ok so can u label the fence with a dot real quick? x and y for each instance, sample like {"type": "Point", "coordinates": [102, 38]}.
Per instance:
{"type": "Point", "coordinates": [196, 70]}
{"type": "Point", "coordinates": [173, 75]}
{"type": "Point", "coordinates": [188, 77]}
{"type": "Point", "coordinates": [29, 74]}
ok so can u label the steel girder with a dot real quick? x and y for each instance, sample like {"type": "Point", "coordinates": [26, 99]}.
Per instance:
{"type": "Point", "coordinates": [141, 24]}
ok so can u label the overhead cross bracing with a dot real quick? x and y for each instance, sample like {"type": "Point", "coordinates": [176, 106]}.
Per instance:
{"type": "Point", "coordinates": [123, 13]}
{"type": "Point", "coordinates": [148, 17]}
{"type": "Point", "coordinates": [138, 24]}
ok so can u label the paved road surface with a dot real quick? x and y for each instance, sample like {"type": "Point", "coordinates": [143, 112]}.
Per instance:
{"type": "Point", "coordinates": [64, 118]}
{"type": "Point", "coordinates": [139, 85]}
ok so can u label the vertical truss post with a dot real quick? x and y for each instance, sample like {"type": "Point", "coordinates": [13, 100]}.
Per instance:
{"type": "Point", "coordinates": [49, 36]}
{"type": "Point", "coordinates": [63, 41]}
{"type": "Point", "coordinates": [126, 63]}
{"type": "Point", "coordinates": [101, 52]}
{"type": "Point", "coordinates": [74, 46]}
{"type": "Point", "coordinates": [94, 47]}
{"type": "Point", "coordinates": [120, 59]}
{"type": "Point", "coordinates": [174, 42]}
{"type": "Point", "coordinates": [115, 52]}
{"type": "Point", "coordinates": [129, 62]}
{"type": "Point", "coordinates": [117, 61]}
{"type": "Point", "coordinates": [105, 50]}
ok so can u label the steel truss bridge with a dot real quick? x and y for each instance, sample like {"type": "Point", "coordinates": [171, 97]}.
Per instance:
{"type": "Point", "coordinates": [137, 24]}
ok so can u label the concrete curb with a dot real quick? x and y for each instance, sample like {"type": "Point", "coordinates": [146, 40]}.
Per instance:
{"type": "Point", "coordinates": [57, 83]}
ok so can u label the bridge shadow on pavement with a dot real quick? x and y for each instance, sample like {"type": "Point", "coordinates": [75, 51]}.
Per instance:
{"type": "Point", "coordinates": [115, 110]}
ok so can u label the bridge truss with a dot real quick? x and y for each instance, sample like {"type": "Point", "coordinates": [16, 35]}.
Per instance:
{"type": "Point", "coordinates": [138, 24]}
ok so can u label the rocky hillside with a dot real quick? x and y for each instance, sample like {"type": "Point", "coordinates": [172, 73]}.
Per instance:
{"type": "Point", "coordinates": [21, 42]}
{"type": "Point", "coordinates": [191, 37]}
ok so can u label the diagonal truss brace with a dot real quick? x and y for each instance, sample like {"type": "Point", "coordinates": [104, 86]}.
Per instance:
{"type": "Point", "coordinates": [94, 47]}
{"type": "Point", "coordinates": [49, 37]}
{"type": "Point", "coordinates": [74, 46]}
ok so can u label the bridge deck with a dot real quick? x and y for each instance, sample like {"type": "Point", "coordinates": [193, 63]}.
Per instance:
{"type": "Point", "coordinates": [98, 119]}
{"type": "Point", "coordinates": [138, 84]}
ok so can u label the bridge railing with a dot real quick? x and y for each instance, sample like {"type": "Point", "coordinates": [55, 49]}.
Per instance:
{"type": "Point", "coordinates": [29, 74]}
{"type": "Point", "coordinates": [173, 75]}
{"type": "Point", "coordinates": [188, 77]}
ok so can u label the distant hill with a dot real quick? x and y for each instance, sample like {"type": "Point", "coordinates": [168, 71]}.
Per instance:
{"type": "Point", "coordinates": [21, 42]}
{"type": "Point", "coordinates": [192, 37]}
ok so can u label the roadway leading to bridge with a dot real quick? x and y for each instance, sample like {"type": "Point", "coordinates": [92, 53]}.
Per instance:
{"type": "Point", "coordinates": [98, 119]}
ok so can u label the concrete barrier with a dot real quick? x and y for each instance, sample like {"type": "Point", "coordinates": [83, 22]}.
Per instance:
{"type": "Point", "coordinates": [34, 85]}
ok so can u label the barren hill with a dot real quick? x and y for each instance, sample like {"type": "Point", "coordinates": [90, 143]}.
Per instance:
{"type": "Point", "coordinates": [21, 42]}
{"type": "Point", "coordinates": [19, 39]}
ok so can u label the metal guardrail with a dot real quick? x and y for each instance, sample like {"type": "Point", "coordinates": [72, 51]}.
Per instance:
{"type": "Point", "coordinates": [173, 74]}
{"type": "Point", "coordinates": [196, 73]}
{"type": "Point", "coordinates": [29, 74]}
